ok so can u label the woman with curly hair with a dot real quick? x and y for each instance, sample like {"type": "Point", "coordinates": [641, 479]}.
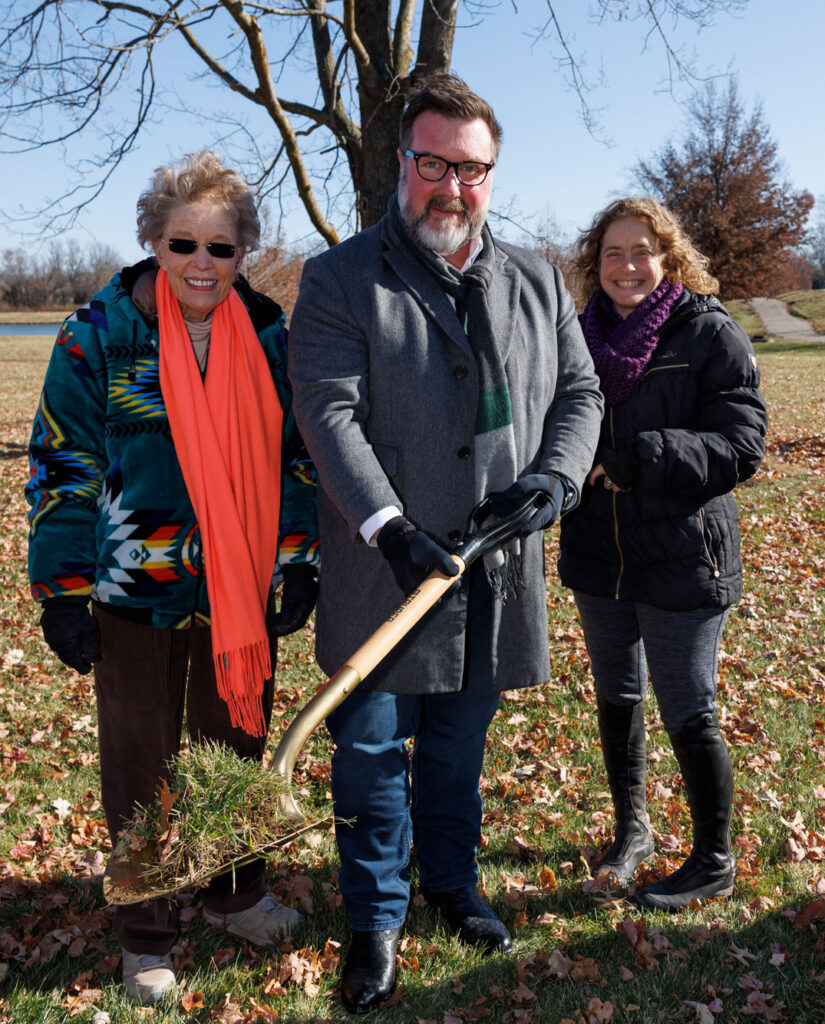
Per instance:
{"type": "Point", "coordinates": [652, 551]}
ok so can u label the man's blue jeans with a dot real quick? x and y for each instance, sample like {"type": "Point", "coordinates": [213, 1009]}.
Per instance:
{"type": "Point", "coordinates": [432, 799]}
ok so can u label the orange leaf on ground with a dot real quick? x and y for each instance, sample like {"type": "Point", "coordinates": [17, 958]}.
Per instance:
{"type": "Point", "coordinates": [547, 880]}
{"type": "Point", "coordinates": [810, 913]}
{"type": "Point", "coordinates": [192, 1001]}
{"type": "Point", "coordinates": [167, 798]}
{"type": "Point", "coordinates": [522, 994]}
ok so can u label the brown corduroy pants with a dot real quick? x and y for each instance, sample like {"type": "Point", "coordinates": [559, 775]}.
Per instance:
{"type": "Point", "coordinates": [143, 680]}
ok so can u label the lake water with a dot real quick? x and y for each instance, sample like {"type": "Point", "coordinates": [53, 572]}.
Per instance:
{"type": "Point", "coordinates": [11, 330]}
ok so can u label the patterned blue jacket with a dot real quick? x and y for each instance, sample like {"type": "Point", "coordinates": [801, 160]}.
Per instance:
{"type": "Point", "coordinates": [110, 514]}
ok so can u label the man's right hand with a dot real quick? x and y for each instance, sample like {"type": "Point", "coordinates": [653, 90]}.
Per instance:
{"type": "Point", "coordinates": [412, 554]}
{"type": "Point", "coordinates": [69, 629]}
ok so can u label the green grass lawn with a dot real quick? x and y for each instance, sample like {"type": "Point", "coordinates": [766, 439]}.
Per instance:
{"type": "Point", "coordinates": [741, 311]}
{"type": "Point", "coordinates": [810, 305]}
{"type": "Point", "coordinates": [582, 955]}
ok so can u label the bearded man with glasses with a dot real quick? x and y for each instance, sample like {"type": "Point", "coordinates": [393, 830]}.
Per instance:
{"type": "Point", "coordinates": [432, 366]}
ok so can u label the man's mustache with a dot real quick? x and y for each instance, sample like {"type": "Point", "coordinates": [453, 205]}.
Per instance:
{"type": "Point", "coordinates": [456, 205]}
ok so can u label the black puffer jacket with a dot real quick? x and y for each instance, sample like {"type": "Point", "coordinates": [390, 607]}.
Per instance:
{"type": "Point", "coordinates": [693, 428]}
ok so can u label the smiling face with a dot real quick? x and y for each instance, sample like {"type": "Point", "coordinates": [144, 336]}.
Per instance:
{"type": "Point", "coordinates": [445, 215]}
{"type": "Point", "coordinates": [199, 281]}
{"type": "Point", "coordinates": [630, 263]}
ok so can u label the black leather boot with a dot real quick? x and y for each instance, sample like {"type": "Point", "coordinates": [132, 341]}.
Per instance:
{"type": "Point", "coordinates": [711, 867]}
{"type": "Point", "coordinates": [622, 731]}
{"type": "Point", "coordinates": [472, 918]}
{"type": "Point", "coordinates": [369, 974]}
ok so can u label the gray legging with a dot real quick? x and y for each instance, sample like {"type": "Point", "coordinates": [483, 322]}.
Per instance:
{"type": "Point", "coordinates": [626, 638]}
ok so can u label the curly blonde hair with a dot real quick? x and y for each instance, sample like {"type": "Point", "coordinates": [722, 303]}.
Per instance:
{"type": "Point", "coordinates": [197, 177]}
{"type": "Point", "coordinates": [680, 260]}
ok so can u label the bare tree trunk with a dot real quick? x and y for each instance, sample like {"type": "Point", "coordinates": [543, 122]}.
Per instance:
{"type": "Point", "coordinates": [383, 94]}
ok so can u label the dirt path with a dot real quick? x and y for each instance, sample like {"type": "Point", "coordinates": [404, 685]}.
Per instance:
{"type": "Point", "coordinates": [778, 321]}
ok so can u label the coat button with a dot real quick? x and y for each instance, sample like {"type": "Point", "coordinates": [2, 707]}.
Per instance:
{"type": "Point", "coordinates": [460, 372]}
{"type": "Point", "coordinates": [464, 453]}
{"type": "Point", "coordinates": [454, 536]}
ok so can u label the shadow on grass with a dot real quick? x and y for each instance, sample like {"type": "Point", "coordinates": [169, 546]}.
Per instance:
{"type": "Point", "coordinates": [12, 450]}
{"type": "Point", "coordinates": [569, 950]}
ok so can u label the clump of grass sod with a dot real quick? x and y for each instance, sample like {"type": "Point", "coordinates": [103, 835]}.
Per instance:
{"type": "Point", "coordinates": [219, 811]}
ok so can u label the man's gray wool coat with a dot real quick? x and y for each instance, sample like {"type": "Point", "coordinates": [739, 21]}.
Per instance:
{"type": "Point", "coordinates": [385, 395]}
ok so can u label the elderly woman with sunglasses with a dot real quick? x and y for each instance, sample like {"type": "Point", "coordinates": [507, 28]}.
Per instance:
{"type": "Point", "coordinates": [170, 488]}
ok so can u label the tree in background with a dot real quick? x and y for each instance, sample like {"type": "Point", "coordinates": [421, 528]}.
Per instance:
{"type": "Point", "coordinates": [65, 277]}
{"type": "Point", "coordinates": [814, 247]}
{"type": "Point", "coordinates": [550, 241]}
{"type": "Point", "coordinates": [276, 270]}
{"type": "Point", "coordinates": [724, 181]}
{"type": "Point", "coordinates": [331, 78]}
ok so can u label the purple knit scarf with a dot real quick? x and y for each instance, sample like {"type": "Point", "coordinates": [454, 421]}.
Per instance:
{"type": "Point", "coordinates": [622, 351]}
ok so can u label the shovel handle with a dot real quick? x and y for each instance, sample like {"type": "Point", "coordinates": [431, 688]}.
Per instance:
{"type": "Point", "coordinates": [352, 673]}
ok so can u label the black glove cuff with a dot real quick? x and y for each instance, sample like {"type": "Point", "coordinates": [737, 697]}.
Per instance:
{"type": "Point", "coordinates": [299, 571]}
{"type": "Point", "coordinates": [66, 601]}
{"type": "Point", "coordinates": [300, 583]}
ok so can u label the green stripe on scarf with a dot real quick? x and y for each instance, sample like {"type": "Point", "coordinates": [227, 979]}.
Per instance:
{"type": "Point", "coordinates": [494, 409]}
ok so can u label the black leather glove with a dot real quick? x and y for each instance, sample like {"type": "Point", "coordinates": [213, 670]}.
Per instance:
{"type": "Point", "coordinates": [299, 593]}
{"type": "Point", "coordinates": [70, 631]}
{"type": "Point", "coordinates": [412, 554]}
{"type": "Point", "coordinates": [503, 503]}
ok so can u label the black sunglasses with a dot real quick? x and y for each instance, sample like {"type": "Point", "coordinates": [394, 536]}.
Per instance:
{"type": "Point", "coordinates": [186, 246]}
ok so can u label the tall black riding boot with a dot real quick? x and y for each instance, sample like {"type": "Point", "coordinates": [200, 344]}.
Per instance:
{"type": "Point", "coordinates": [711, 867]}
{"type": "Point", "coordinates": [622, 730]}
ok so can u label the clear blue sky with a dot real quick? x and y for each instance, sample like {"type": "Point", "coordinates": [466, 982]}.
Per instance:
{"type": "Point", "coordinates": [550, 165]}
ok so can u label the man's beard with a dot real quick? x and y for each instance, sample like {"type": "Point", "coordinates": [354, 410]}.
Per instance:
{"type": "Point", "coordinates": [448, 237]}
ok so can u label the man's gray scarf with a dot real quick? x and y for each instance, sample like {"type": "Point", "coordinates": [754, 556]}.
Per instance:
{"type": "Point", "coordinates": [496, 466]}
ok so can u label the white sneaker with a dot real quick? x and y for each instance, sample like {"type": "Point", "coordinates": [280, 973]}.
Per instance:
{"type": "Point", "coordinates": [264, 924]}
{"type": "Point", "coordinates": [146, 977]}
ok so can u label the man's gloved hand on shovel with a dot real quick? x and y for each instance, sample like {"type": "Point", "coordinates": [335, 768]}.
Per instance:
{"type": "Point", "coordinates": [412, 554]}
{"type": "Point", "coordinates": [504, 503]}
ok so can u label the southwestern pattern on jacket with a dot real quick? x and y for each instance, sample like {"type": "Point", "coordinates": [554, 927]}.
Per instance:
{"type": "Point", "coordinates": [110, 514]}
{"type": "Point", "coordinates": [693, 429]}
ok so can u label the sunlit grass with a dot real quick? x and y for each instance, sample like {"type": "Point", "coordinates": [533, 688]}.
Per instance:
{"type": "Point", "coordinates": [547, 809]}
{"type": "Point", "coordinates": [810, 305]}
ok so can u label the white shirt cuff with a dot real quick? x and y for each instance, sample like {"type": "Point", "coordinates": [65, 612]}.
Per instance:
{"type": "Point", "coordinates": [378, 519]}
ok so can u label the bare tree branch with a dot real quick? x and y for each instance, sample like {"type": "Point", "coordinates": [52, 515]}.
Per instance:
{"type": "Point", "coordinates": [257, 50]}
{"type": "Point", "coordinates": [402, 52]}
{"type": "Point", "coordinates": [354, 40]}
{"type": "Point", "coordinates": [89, 76]}
{"type": "Point", "coordinates": [435, 44]}
{"type": "Point", "coordinates": [577, 81]}
{"type": "Point", "coordinates": [649, 12]}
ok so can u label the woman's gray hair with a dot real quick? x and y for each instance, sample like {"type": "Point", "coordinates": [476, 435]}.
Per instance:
{"type": "Point", "coordinates": [195, 178]}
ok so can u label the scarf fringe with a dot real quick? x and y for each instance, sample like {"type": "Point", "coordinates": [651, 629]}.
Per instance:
{"type": "Point", "coordinates": [507, 578]}
{"type": "Point", "coordinates": [241, 674]}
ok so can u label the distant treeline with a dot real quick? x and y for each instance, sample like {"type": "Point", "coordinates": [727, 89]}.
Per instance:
{"type": "Point", "coordinates": [65, 276]}
{"type": "Point", "coordinates": [69, 274]}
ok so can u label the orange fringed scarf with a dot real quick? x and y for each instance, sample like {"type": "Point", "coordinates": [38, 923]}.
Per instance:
{"type": "Point", "coordinates": [227, 435]}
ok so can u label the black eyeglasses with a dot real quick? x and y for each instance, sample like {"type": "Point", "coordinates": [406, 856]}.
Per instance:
{"type": "Point", "coordinates": [186, 246]}
{"type": "Point", "coordinates": [434, 168]}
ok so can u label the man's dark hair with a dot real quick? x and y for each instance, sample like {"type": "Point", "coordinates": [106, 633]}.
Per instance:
{"type": "Point", "coordinates": [449, 96]}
